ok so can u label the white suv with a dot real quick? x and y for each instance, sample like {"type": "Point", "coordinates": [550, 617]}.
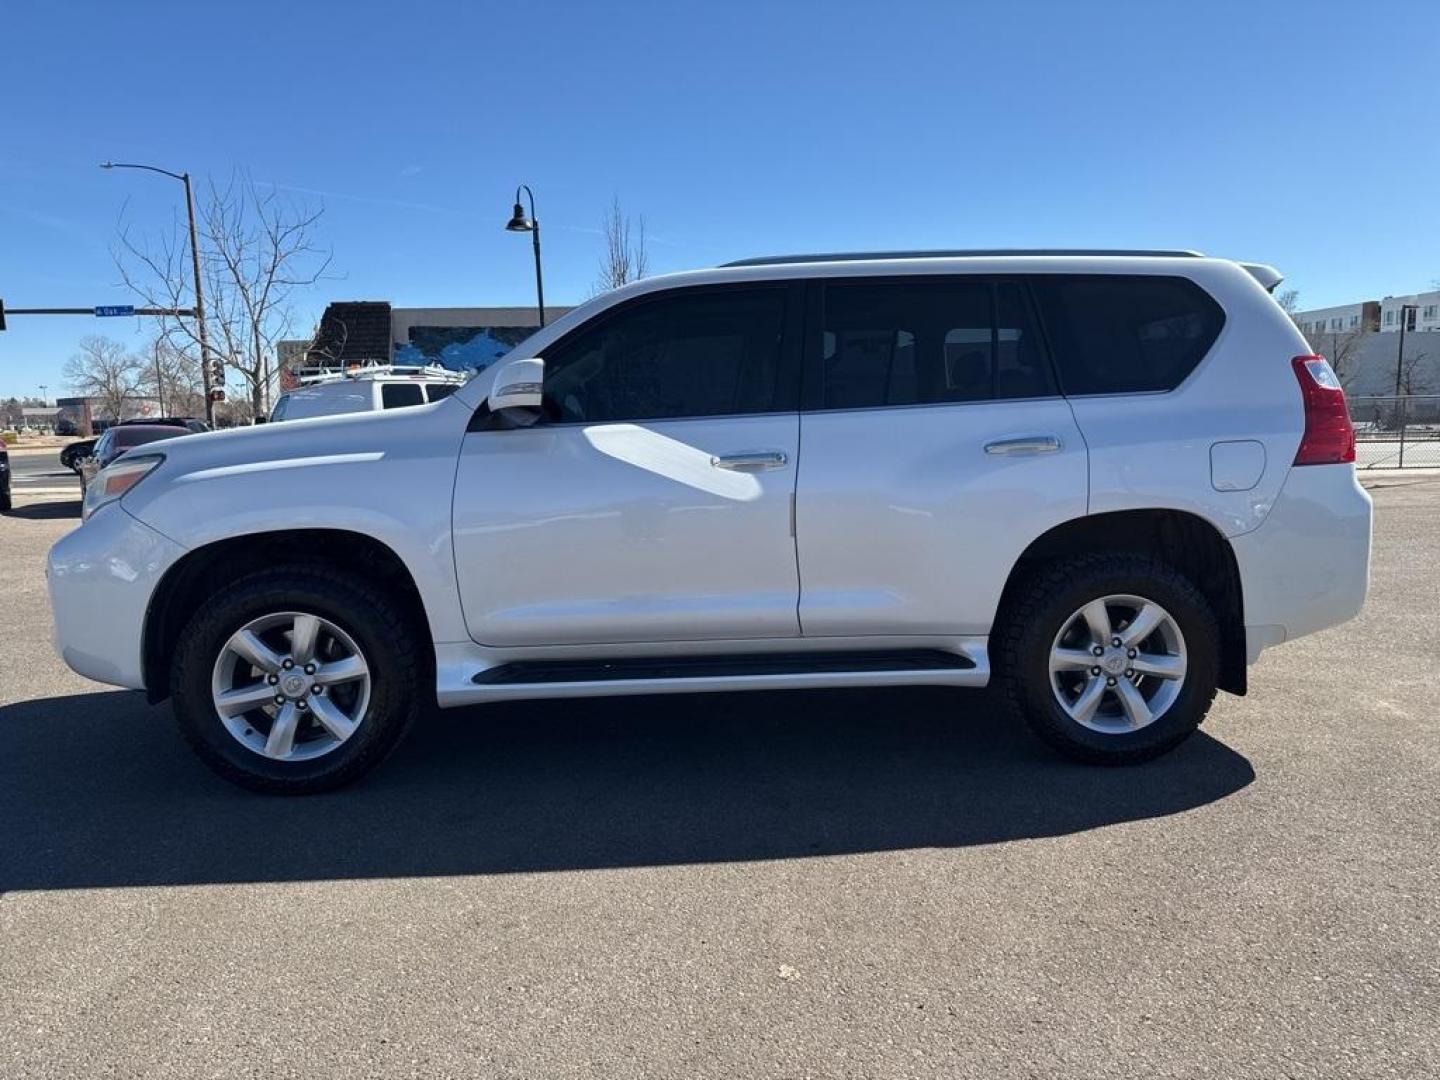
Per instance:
{"type": "Point", "coordinates": [1105, 480]}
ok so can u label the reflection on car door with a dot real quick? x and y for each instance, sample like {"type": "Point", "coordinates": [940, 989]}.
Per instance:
{"type": "Point", "coordinates": [653, 502]}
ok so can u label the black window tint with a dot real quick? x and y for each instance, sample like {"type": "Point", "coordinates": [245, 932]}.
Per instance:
{"type": "Point", "coordinates": [398, 395]}
{"type": "Point", "coordinates": [1117, 335]}
{"type": "Point", "coordinates": [707, 353]}
{"type": "Point", "coordinates": [926, 342]}
{"type": "Point", "coordinates": [439, 391]}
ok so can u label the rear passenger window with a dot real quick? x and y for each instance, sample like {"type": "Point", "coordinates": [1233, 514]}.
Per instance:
{"type": "Point", "coordinates": [398, 395]}
{"type": "Point", "coordinates": [929, 342]}
{"type": "Point", "coordinates": [1122, 335]}
{"type": "Point", "coordinates": [440, 391]}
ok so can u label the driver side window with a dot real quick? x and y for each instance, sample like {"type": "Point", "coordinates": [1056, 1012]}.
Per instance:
{"type": "Point", "coordinates": [684, 354]}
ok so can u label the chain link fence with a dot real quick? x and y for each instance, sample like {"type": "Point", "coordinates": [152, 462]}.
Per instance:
{"type": "Point", "coordinates": [1396, 432]}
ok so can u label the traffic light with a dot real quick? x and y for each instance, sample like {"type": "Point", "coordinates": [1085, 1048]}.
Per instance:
{"type": "Point", "coordinates": [217, 372]}
{"type": "Point", "coordinates": [2, 314]}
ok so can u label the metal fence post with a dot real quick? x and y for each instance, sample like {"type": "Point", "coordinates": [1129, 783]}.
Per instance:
{"type": "Point", "coordinates": [1401, 418]}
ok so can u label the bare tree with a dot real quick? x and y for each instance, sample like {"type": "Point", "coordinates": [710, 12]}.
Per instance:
{"type": "Point", "coordinates": [626, 258]}
{"type": "Point", "coordinates": [1343, 348]}
{"type": "Point", "coordinates": [106, 374]}
{"type": "Point", "coordinates": [1413, 372]}
{"type": "Point", "coordinates": [172, 376]}
{"type": "Point", "coordinates": [1289, 301]}
{"type": "Point", "coordinates": [257, 248]}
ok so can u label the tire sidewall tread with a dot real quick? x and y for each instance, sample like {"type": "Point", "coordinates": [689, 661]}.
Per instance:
{"type": "Point", "coordinates": [1050, 595]}
{"type": "Point", "coordinates": [368, 614]}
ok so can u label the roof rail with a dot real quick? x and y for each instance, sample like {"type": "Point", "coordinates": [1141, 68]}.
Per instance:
{"type": "Point", "coordinates": [956, 253]}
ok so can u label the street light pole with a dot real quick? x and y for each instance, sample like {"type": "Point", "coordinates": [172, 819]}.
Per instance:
{"type": "Point", "coordinates": [1400, 352]}
{"type": "Point", "coordinates": [184, 178]}
{"type": "Point", "coordinates": [520, 223]}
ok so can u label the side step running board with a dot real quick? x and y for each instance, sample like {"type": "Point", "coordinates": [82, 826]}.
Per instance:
{"type": "Point", "coordinates": [650, 668]}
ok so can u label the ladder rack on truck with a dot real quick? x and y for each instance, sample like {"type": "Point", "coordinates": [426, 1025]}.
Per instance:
{"type": "Point", "coordinates": [315, 375]}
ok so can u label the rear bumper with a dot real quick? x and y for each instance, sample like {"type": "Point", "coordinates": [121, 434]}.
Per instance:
{"type": "Point", "coordinates": [1308, 566]}
{"type": "Point", "coordinates": [101, 578]}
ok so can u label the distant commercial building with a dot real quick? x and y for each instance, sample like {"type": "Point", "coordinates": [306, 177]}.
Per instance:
{"type": "Point", "coordinates": [372, 332]}
{"type": "Point", "coordinates": [1341, 319]}
{"type": "Point", "coordinates": [1382, 315]}
{"type": "Point", "coordinates": [1426, 315]}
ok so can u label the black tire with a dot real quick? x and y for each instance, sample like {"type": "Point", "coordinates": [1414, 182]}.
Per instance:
{"type": "Point", "coordinates": [392, 650]}
{"type": "Point", "coordinates": [1043, 603]}
{"type": "Point", "coordinates": [5, 499]}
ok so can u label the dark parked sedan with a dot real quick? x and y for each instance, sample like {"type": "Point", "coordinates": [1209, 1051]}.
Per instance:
{"type": "Point", "coordinates": [72, 456]}
{"type": "Point", "coordinates": [117, 440]}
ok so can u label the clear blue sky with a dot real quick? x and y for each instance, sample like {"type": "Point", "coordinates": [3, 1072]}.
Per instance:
{"type": "Point", "coordinates": [1302, 134]}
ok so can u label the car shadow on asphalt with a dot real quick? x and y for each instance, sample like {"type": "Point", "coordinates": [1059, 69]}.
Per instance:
{"type": "Point", "coordinates": [45, 511]}
{"type": "Point", "coordinates": [98, 789]}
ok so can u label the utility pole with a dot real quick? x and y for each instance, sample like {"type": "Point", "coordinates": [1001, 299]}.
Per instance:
{"type": "Point", "coordinates": [159, 381]}
{"type": "Point", "coordinates": [199, 302]}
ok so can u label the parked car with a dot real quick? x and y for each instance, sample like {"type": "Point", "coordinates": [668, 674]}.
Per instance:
{"type": "Point", "coordinates": [74, 453]}
{"type": "Point", "coordinates": [118, 440]}
{"type": "Point", "coordinates": [1104, 481]}
{"type": "Point", "coordinates": [6, 499]}
{"type": "Point", "coordinates": [332, 392]}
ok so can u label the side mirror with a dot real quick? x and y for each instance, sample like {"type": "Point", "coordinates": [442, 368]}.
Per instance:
{"type": "Point", "coordinates": [515, 395]}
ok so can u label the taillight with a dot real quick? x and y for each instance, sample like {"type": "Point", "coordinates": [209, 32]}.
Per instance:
{"type": "Point", "coordinates": [1329, 437]}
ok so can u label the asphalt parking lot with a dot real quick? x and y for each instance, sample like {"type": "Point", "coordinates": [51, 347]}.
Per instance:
{"type": "Point", "coordinates": [863, 884]}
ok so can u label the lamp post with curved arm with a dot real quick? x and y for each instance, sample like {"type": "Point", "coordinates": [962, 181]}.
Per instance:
{"type": "Point", "coordinates": [184, 178]}
{"type": "Point", "coordinates": [520, 223]}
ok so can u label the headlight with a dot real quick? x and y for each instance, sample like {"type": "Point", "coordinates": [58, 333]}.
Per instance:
{"type": "Point", "coordinates": [115, 480]}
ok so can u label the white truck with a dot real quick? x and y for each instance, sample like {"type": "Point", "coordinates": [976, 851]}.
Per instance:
{"type": "Point", "coordinates": [334, 391]}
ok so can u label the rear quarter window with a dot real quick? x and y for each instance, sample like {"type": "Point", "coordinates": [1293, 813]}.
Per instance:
{"type": "Point", "coordinates": [1116, 334]}
{"type": "Point", "coordinates": [401, 395]}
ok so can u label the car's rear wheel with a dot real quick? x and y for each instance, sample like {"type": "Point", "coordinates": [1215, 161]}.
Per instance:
{"type": "Point", "coordinates": [1109, 659]}
{"type": "Point", "coordinates": [296, 680]}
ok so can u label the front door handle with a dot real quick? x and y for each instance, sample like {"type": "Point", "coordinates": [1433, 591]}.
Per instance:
{"type": "Point", "coordinates": [1024, 444]}
{"type": "Point", "coordinates": [755, 461]}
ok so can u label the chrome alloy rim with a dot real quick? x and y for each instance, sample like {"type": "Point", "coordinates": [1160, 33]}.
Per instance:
{"type": "Point", "coordinates": [291, 686]}
{"type": "Point", "coordinates": [1118, 664]}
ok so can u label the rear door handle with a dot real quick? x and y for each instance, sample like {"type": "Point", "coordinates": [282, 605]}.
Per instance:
{"type": "Point", "coordinates": [1024, 444]}
{"type": "Point", "coordinates": [754, 461]}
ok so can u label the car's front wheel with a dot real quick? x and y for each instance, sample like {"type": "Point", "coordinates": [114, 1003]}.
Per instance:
{"type": "Point", "coordinates": [296, 680]}
{"type": "Point", "coordinates": [1110, 659]}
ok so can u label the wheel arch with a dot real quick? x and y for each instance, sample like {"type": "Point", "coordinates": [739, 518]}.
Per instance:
{"type": "Point", "coordinates": [205, 569]}
{"type": "Point", "coordinates": [1186, 541]}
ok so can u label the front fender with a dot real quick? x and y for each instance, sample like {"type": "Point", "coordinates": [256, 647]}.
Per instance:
{"type": "Point", "coordinates": [398, 496]}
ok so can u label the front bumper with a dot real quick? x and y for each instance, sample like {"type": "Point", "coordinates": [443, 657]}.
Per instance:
{"type": "Point", "coordinates": [101, 578]}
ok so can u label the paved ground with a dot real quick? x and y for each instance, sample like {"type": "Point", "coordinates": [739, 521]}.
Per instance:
{"type": "Point", "coordinates": [869, 884]}
{"type": "Point", "coordinates": [33, 470]}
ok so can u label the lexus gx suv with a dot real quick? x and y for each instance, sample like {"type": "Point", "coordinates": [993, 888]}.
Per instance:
{"type": "Point", "coordinates": [1105, 481]}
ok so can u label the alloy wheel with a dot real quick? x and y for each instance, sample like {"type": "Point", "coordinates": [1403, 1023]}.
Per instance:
{"type": "Point", "coordinates": [1118, 664]}
{"type": "Point", "coordinates": [291, 686]}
